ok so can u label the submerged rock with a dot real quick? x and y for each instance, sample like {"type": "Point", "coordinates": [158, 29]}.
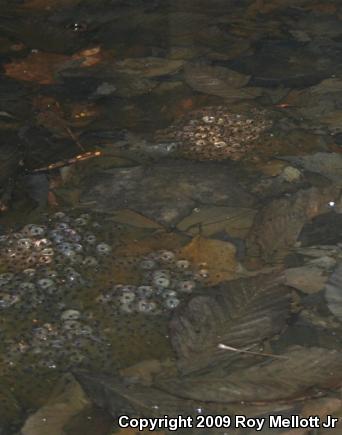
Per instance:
{"type": "Point", "coordinates": [327, 164]}
{"type": "Point", "coordinates": [149, 67]}
{"type": "Point", "coordinates": [67, 400]}
{"type": "Point", "coordinates": [220, 81]}
{"type": "Point", "coordinates": [167, 192]}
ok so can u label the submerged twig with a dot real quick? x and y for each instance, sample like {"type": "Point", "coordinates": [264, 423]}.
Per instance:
{"type": "Point", "coordinates": [73, 160]}
{"type": "Point", "coordinates": [234, 349]}
{"type": "Point", "coordinates": [74, 138]}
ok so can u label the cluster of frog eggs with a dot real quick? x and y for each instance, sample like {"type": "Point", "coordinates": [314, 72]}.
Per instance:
{"type": "Point", "coordinates": [165, 281]}
{"type": "Point", "coordinates": [214, 133]}
{"type": "Point", "coordinates": [40, 258]}
{"type": "Point", "coordinates": [53, 345]}
{"type": "Point", "coordinates": [40, 263]}
{"type": "Point", "coordinates": [43, 263]}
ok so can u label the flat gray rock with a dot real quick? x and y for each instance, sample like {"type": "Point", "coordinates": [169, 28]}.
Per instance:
{"type": "Point", "coordinates": [167, 192]}
{"type": "Point", "coordinates": [327, 164]}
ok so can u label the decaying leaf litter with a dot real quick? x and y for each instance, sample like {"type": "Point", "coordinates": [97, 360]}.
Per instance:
{"type": "Point", "coordinates": [198, 171]}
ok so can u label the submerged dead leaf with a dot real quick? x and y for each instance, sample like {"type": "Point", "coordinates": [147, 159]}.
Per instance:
{"type": "Point", "coordinates": [149, 67]}
{"type": "Point", "coordinates": [159, 240]}
{"type": "Point", "coordinates": [216, 80]}
{"type": "Point", "coordinates": [134, 399]}
{"type": "Point", "coordinates": [36, 67]}
{"type": "Point", "coordinates": [42, 67]}
{"type": "Point", "coordinates": [278, 225]}
{"type": "Point", "coordinates": [130, 217]}
{"type": "Point", "coordinates": [207, 221]}
{"type": "Point", "coordinates": [301, 375]}
{"type": "Point", "coordinates": [333, 292]}
{"type": "Point", "coordinates": [215, 255]}
{"type": "Point", "coordinates": [239, 313]}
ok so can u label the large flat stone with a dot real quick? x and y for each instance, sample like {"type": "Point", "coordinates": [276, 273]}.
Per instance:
{"type": "Point", "coordinates": [167, 192]}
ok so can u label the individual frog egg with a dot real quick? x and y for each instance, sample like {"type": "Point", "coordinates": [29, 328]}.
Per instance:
{"type": "Point", "coordinates": [66, 249]}
{"type": "Point", "coordinates": [80, 222]}
{"type": "Point", "coordinates": [127, 297]}
{"type": "Point", "coordinates": [27, 286]}
{"type": "Point", "coordinates": [30, 272]}
{"type": "Point", "coordinates": [57, 236]}
{"type": "Point", "coordinates": [41, 244]}
{"type": "Point", "coordinates": [72, 325]}
{"type": "Point", "coordinates": [49, 252]}
{"type": "Point", "coordinates": [72, 276]}
{"type": "Point", "coordinates": [118, 288]}
{"type": "Point", "coordinates": [76, 357]}
{"type": "Point", "coordinates": [46, 283]}
{"type": "Point", "coordinates": [45, 259]}
{"type": "Point", "coordinates": [145, 291]}
{"type": "Point", "coordinates": [161, 281]}
{"type": "Point", "coordinates": [202, 274]}
{"type": "Point", "coordinates": [146, 307]}
{"type": "Point", "coordinates": [5, 278]}
{"type": "Point", "coordinates": [166, 256]}
{"type": "Point", "coordinates": [59, 215]}
{"type": "Point", "coordinates": [41, 333]}
{"type": "Point", "coordinates": [70, 315]}
{"type": "Point", "coordinates": [7, 300]}
{"type": "Point", "coordinates": [161, 273]}
{"type": "Point", "coordinates": [186, 286]}
{"type": "Point", "coordinates": [90, 261]}
{"type": "Point", "coordinates": [104, 298]}
{"type": "Point", "coordinates": [72, 235]}
{"type": "Point", "coordinates": [90, 238]}
{"type": "Point", "coordinates": [147, 264]}
{"type": "Point", "coordinates": [76, 259]}
{"type": "Point", "coordinates": [77, 247]}
{"type": "Point", "coordinates": [103, 249]}
{"type": "Point", "coordinates": [182, 264]}
{"type": "Point", "coordinates": [128, 288]}
{"type": "Point", "coordinates": [86, 330]}
{"type": "Point", "coordinates": [32, 259]}
{"type": "Point", "coordinates": [24, 244]}
{"type": "Point", "coordinates": [169, 294]}
{"type": "Point", "coordinates": [61, 247]}
{"type": "Point", "coordinates": [62, 226]}
{"type": "Point", "coordinates": [33, 230]}
{"type": "Point", "coordinates": [209, 119]}
{"type": "Point", "coordinates": [17, 235]}
{"type": "Point", "coordinates": [127, 308]}
{"type": "Point", "coordinates": [47, 364]}
{"type": "Point", "coordinates": [171, 303]}
{"type": "Point", "coordinates": [51, 273]}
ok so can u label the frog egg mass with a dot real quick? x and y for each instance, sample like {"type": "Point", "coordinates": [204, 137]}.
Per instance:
{"type": "Point", "coordinates": [58, 288]}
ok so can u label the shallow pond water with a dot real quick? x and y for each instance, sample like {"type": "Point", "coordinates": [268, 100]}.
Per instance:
{"type": "Point", "coordinates": [170, 224]}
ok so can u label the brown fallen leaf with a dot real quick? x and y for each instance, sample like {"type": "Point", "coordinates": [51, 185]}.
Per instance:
{"type": "Point", "coordinates": [130, 217]}
{"type": "Point", "coordinates": [159, 240]}
{"type": "Point", "coordinates": [36, 67]}
{"type": "Point", "coordinates": [215, 255]}
{"type": "Point", "coordinates": [41, 67]}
